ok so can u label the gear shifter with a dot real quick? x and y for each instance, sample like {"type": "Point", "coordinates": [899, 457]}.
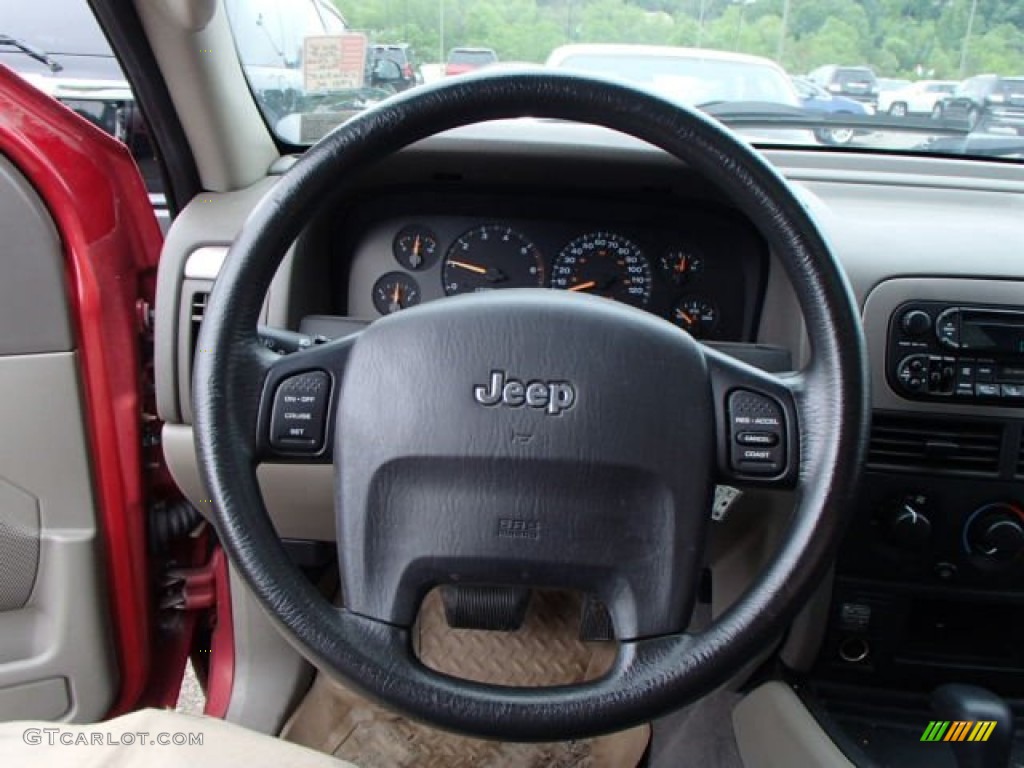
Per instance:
{"type": "Point", "coordinates": [958, 703]}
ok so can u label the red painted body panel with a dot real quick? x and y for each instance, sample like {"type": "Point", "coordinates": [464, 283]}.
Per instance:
{"type": "Point", "coordinates": [111, 240]}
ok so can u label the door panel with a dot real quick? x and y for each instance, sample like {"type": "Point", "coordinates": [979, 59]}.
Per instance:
{"type": "Point", "coordinates": [77, 272]}
{"type": "Point", "coordinates": [56, 659]}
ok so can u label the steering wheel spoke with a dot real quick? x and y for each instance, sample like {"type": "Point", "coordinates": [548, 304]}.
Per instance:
{"type": "Point", "coordinates": [756, 427]}
{"type": "Point", "coordinates": [298, 403]}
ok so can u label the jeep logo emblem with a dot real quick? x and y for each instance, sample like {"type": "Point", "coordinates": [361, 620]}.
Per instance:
{"type": "Point", "coordinates": [553, 396]}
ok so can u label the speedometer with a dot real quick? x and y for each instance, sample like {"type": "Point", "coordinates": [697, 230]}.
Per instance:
{"type": "Point", "coordinates": [605, 264]}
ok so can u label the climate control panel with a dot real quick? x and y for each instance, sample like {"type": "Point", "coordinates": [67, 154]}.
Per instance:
{"type": "Point", "coordinates": [943, 351]}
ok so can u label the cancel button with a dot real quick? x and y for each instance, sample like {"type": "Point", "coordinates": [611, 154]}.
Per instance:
{"type": "Point", "coordinates": [757, 438]}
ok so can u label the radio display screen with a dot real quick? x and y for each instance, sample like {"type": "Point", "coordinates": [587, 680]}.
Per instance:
{"type": "Point", "coordinates": [989, 331]}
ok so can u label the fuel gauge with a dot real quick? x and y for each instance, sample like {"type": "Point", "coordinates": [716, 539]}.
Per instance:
{"type": "Point", "coordinates": [415, 247]}
{"type": "Point", "coordinates": [696, 315]}
{"type": "Point", "coordinates": [395, 291]}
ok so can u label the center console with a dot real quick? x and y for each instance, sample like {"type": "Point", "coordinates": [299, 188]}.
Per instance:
{"type": "Point", "coordinates": [929, 583]}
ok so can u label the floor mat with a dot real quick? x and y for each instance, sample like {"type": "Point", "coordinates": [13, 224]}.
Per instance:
{"type": "Point", "coordinates": [545, 651]}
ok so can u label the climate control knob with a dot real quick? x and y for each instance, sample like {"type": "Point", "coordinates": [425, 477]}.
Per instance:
{"type": "Point", "coordinates": [906, 522]}
{"type": "Point", "coordinates": [996, 532]}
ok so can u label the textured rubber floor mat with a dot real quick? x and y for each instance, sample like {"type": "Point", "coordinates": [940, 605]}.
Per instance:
{"type": "Point", "coordinates": [545, 651]}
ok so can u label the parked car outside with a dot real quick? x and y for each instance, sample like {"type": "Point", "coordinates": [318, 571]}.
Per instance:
{"type": "Point", "coordinates": [814, 98]}
{"type": "Point", "coordinates": [887, 84]}
{"type": "Point", "coordinates": [917, 98]}
{"type": "Point", "coordinates": [719, 82]}
{"type": "Point", "coordinates": [693, 76]}
{"type": "Point", "coordinates": [858, 83]}
{"type": "Point", "coordinates": [463, 60]}
{"type": "Point", "coordinates": [59, 48]}
{"type": "Point", "coordinates": [986, 103]}
{"type": "Point", "coordinates": [401, 55]}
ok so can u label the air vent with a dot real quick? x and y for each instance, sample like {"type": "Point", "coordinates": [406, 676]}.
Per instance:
{"type": "Point", "coordinates": [930, 445]}
{"type": "Point", "coordinates": [197, 309]}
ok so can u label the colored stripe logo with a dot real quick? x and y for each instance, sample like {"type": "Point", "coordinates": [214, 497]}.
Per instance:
{"type": "Point", "coordinates": [958, 730]}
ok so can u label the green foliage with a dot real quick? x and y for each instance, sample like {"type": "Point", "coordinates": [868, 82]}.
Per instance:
{"type": "Point", "coordinates": [899, 38]}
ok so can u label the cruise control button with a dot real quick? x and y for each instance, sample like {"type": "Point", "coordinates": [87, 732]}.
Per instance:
{"type": "Point", "coordinates": [300, 409]}
{"type": "Point", "coordinates": [759, 467]}
{"type": "Point", "coordinates": [758, 428]}
{"type": "Point", "coordinates": [757, 438]}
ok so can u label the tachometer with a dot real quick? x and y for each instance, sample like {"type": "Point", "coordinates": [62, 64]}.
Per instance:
{"type": "Point", "coordinates": [605, 264]}
{"type": "Point", "coordinates": [490, 257]}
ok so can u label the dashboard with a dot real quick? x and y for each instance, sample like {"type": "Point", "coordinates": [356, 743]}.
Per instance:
{"type": "Point", "coordinates": [699, 266]}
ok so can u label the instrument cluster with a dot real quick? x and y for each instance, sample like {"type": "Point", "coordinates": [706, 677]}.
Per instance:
{"type": "Point", "coordinates": [703, 279]}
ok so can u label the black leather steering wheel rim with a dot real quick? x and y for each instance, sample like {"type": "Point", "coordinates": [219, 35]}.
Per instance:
{"type": "Point", "coordinates": [650, 677]}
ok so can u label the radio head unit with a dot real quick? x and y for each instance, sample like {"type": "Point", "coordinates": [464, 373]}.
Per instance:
{"type": "Point", "coordinates": [942, 351]}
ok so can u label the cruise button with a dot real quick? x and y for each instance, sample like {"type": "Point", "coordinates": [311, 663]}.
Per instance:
{"type": "Point", "coordinates": [757, 438]}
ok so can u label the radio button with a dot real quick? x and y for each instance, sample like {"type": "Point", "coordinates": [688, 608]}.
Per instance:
{"type": "Point", "coordinates": [947, 328]}
{"type": "Point", "coordinates": [985, 372]}
{"type": "Point", "coordinates": [912, 373]}
{"type": "Point", "coordinates": [986, 390]}
{"type": "Point", "coordinates": [965, 377]}
{"type": "Point", "coordinates": [1012, 373]}
{"type": "Point", "coordinates": [1013, 391]}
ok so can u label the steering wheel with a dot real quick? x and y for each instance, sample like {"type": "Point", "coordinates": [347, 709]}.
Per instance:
{"type": "Point", "coordinates": [530, 436]}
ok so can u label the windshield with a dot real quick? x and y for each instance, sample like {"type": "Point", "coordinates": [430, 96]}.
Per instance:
{"type": "Point", "coordinates": [896, 75]}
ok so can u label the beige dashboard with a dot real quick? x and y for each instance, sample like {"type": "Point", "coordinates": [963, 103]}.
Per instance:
{"type": "Point", "coordinates": [940, 224]}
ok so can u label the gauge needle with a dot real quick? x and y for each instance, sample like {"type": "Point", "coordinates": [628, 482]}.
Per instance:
{"type": "Point", "coordinates": [469, 267]}
{"type": "Point", "coordinates": [687, 317]}
{"type": "Point", "coordinates": [493, 274]}
{"type": "Point", "coordinates": [414, 258]}
{"type": "Point", "coordinates": [396, 297]}
{"type": "Point", "coordinates": [584, 286]}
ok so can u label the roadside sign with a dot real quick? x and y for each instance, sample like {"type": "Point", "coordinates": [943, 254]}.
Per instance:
{"type": "Point", "coordinates": [334, 62]}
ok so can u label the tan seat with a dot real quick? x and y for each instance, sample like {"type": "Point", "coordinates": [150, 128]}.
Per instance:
{"type": "Point", "coordinates": [134, 741]}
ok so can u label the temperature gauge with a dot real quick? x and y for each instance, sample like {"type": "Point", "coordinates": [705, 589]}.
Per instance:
{"type": "Point", "coordinates": [415, 248]}
{"type": "Point", "coordinates": [395, 291]}
{"type": "Point", "coordinates": [696, 315]}
{"type": "Point", "coordinates": [680, 264]}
